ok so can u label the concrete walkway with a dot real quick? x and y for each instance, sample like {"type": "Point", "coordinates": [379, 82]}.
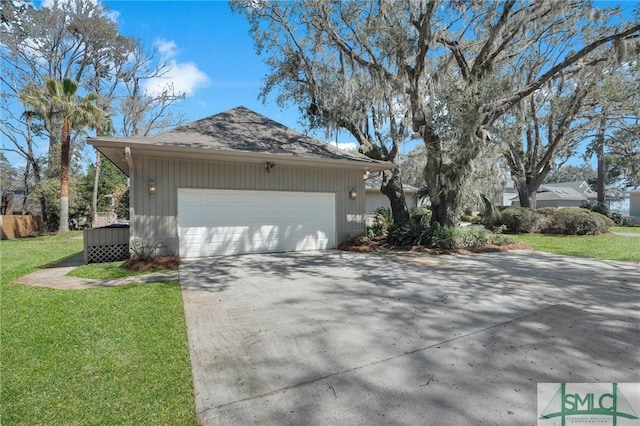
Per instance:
{"type": "Point", "coordinates": [628, 234]}
{"type": "Point", "coordinates": [55, 276]}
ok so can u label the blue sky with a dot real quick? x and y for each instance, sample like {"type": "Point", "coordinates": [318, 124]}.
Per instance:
{"type": "Point", "coordinates": [211, 48]}
{"type": "Point", "coordinates": [213, 56]}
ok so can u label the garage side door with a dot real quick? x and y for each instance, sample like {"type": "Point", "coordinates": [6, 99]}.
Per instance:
{"type": "Point", "coordinates": [225, 222]}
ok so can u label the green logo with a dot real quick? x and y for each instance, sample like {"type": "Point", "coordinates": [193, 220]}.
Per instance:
{"type": "Point", "coordinates": [585, 401]}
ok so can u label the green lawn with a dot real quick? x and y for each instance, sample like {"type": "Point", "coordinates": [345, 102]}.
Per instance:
{"type": "Point", "coordinates": [100, 356]}
{"type": "Point", "coordinates": [634, 229]}
{"type": "Point", "coordinates": [103, 271]}
{"type": "Point", "coordinates": [607, 247]}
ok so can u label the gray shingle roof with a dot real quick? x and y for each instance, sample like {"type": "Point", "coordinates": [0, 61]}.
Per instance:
{"type": "Point", "coordinates": [243, 130]}
{"type": "Point", "coordinates": [374, 181]}
{"type": "Point", "coordinates": [547, 192]}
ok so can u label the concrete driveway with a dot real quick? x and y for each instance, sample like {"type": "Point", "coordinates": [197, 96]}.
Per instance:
{"type": "Point", "coordinates": [328, 338]}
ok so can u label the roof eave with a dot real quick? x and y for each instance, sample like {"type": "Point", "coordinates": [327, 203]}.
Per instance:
{"type": "Point", "coordinates": [237, 156]}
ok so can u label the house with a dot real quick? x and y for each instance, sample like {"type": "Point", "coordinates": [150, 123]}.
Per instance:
{"type": "Point", "coordinates": [634, 203]}
{"type": "Point", "coordinates": [376, 199]}
{"type": "Point", "coordinates": [238, 182]}
{"type": "Point", "coordinates": [508, 193]}
{"type": "Point", "coordinates": [563, 194]}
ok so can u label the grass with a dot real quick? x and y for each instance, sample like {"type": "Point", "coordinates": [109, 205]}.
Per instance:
{"type": "Point", "coordinates": [99, 356]}
{"type": "Point", "coordinates": [633, 229]}
{"type": "Point", "coordinates": [103, 271]}
{"type": "Point", "coordinates": [606, 247]}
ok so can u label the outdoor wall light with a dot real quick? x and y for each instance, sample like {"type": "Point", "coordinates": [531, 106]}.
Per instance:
{"type": "Point", "coordinates": [353, 193]}
{"type": "Point", "coordinates": [151, 186]}
{"type": "Point", "coordinates": [268, 165]}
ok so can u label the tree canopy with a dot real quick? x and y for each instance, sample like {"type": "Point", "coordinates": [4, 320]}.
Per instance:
{"type": "Point", "coordinates": [441, 72]}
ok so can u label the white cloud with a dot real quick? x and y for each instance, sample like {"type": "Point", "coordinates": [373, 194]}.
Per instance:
{"type": "Point", "coordinates": [184, 77]}
{"type": "Point", "coordinates": [348, 146]}
{"type": "Point", "coordinates": [113, 15]}
{"type": "Point", "coordinates": [167, 48]}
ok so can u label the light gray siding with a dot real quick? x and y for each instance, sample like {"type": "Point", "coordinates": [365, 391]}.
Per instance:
{"type": "Point", "coordinates": [559, 203]}
{"type": "Point", "coordinates": [154, 216]}
{"type": "Point", "coordinates": [634, 204]}
{"type": "Point", "coordinates": [105, 244]}
{"type": "Point", "coordinates": [377, 199]}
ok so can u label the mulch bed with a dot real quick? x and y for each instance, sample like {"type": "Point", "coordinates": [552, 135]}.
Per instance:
{"type": "Point", "coordinates": [379, 244]}
{"type": "Point", "coordinates": [158, 263]}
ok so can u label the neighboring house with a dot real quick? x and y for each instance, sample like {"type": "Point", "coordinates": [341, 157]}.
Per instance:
{"type": "Point", "coordinates": [563, 194]}
{"type": "Point", "coordinates": [32, 206]}
{"type": "Point", "coordinates": [508, 193]}
{"type": "Point", "coordinates": [634, 203]}
{"type": "Point", "coordinates": [238, 182]}
{"type": "Point", "coordinates": [376, 199]}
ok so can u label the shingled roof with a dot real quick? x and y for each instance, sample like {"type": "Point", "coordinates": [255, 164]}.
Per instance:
{"type": "Point", "coordinates": [241, 130]}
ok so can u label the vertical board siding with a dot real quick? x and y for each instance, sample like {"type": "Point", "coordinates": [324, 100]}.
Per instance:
{"type": "Point", "coordinates": [155, 215]}
{"type": "Point", "coordinates": [634, 204]}
{"type": "Point", "coordinates": [105, 244]}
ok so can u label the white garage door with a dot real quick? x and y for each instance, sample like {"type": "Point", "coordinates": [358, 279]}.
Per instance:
{"type": "Point", "coordinates": [224, 222]}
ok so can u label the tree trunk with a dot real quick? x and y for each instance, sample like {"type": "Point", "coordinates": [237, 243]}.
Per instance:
{"type": "Point", "coordinates": [65, 159]}
{"type": "Point", "coordinates": [96, 180]}
{"type": "Point", "coordinates": [601, 162]}
{"type": "Point", "coordinates": [525, 194]}
{"type": "Point", "coordinates": [392, 188]}
{"type": "Point", "coordinates": [444, 194]}
{"type": "Point", "coordinates": [25, 181]}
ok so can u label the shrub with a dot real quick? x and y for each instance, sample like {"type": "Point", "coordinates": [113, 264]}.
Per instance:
{"type": "Point", "coordinates": [382, 220]}
{"type": "Point", "coordinates": [598, 208]}
{"type": "Point", "coordinates": [420, 214]}
{"type": "Point", "coordinates": [476, 220]}
{"type": "Point", "coordinates": [518, 220]}
{"type": "Point", "coordinates": [462, 238]}
{"type": "Point", "coordinates": [501, 240]}
{"type": "Point", "coordinates": [547, 211]}
{"type": "Point", "coordinates": [576, 221]}
{"type": "Point", "coordinates": [605, 222]}
{"type": "Point", "coordinates": [144, 250]}
{"type": "Point", "coordinates": [410, 233]}
{"type": "Point", "coordinates": [490, 213]}
{"type": "Point", "coordinates": [631, 221]}
{"type": "Point", "coordinates": [617, 218]}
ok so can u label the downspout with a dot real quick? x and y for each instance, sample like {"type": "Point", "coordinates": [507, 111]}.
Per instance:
{"type": "Point", "coordinates": [129, 159]}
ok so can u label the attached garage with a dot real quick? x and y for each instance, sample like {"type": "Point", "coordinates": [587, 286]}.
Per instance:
{"type": "Point", "coordinates": [238, 182]}
{"type": "Point", "coordinates": [225, 222]}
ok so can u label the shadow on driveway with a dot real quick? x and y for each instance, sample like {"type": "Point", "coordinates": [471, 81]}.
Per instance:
{"type": "Point", "coordinates": [348, 338]}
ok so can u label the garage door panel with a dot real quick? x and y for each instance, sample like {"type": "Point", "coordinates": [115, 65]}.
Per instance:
{"type": "Point", "coordinates": [222, 222]}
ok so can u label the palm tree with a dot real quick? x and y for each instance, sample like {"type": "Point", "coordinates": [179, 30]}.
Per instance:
{"type": "Point", "coordinates": [60, 101]}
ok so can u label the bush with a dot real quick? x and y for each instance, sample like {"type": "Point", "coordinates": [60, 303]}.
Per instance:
{"type": "Point", "coordinates": [617, 218]}
{"type": "Point", "coordinates": [598, 208]}
{"type": "Point", "coordinates": [476, 220]}
{"type": "Point", "coordinates": [631, 221]}
{"type": "Point", "coordinates": [144, 250]}
{"type": "Point", "coordinates": [382, 220]}
{"type": "Point", "coordinates": [518, 220]}
{"type": "Point", "coordinates": [420, 214]}
{"type": "Point", "coordinates": [501, 240]}
{"type": "Point", "coordinates": [547, 211]}
{"type": "Point", "coordinates": [606, 222]}
{"type": "Point", "coordinates": [576, 221]}
{"type": "Point", "coordinates": [461, 238]}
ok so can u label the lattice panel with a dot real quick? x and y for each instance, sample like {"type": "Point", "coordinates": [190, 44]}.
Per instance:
{"type": "Point", "coordinates": [102, 254]}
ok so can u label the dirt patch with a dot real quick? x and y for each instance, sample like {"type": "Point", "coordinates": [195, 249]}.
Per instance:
{"type": "Point", "coordinates": [378, 244]}
{"type": "Point", "coordinates": [158, 263]}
